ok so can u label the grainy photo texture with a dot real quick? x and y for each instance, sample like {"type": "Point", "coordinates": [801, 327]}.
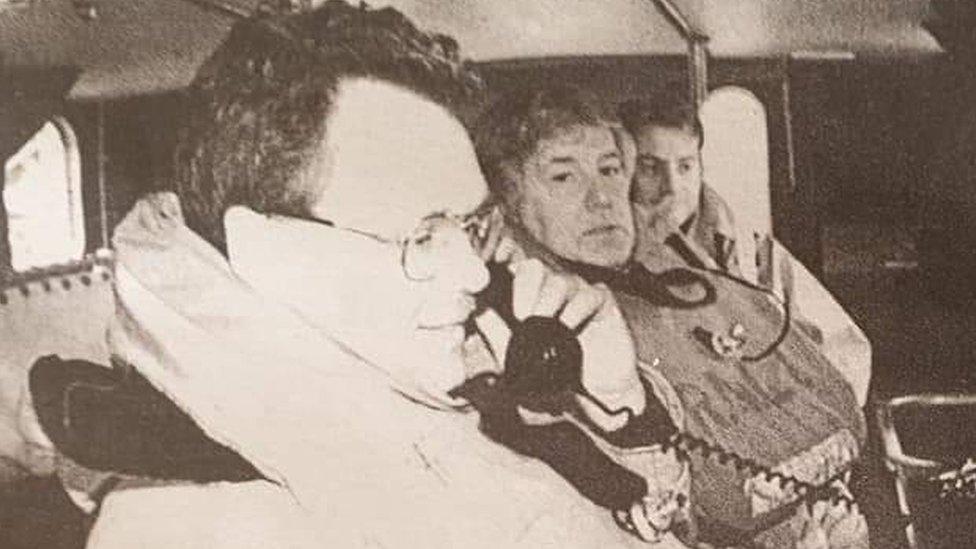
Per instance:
{"type": "Point", "coordinates": [487, 273]}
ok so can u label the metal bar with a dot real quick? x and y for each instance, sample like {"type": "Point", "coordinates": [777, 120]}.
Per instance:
{"type": "Point", "coordinates": [679, 21]}
{"type": "Point", "coordinates": [697, 50]}
{"type": "Point", "coordinates": [102, 187]}
{"type": "Point", "coordinates": [788, 127]}
{"type": "Point", "coordinates": [223, 7]}
{"type": "Point", "coordinates": [697, 71]}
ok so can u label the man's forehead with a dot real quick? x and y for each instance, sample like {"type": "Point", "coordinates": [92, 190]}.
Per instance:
{"type": "Point", "coordinates": [658, 134]}
{"type": "Point", "coordinates": [395, 157]}
{"type": "Point", "coordinates": [568, 142]}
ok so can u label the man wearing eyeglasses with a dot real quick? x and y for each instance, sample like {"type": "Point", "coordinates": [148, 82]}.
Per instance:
{"type": "Point", "coordinates": [306, 299]}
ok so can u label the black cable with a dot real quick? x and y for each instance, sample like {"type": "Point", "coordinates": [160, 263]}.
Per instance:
{"type": "Point", "coordinates": [679, 247]}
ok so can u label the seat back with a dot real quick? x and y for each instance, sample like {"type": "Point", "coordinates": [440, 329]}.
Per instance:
{"type": "Point", "coordinates": [735, 158]}
{"type": "Point", "coordinates": [930, 446]}
{"type": "Point", "coordinates": [61, 310]}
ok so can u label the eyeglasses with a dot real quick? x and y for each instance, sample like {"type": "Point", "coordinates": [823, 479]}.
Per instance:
{"type": "Point", "coordinates": [422, 250]}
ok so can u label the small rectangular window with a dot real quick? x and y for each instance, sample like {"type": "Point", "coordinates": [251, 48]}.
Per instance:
{"type": "Point", "coordinates": [42, 195]}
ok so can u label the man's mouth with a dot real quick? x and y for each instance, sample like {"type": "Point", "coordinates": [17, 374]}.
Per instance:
{"type": "Point", "coordinates": [457, 317]}
{"type": "Point", "coordinates": [603, 230]}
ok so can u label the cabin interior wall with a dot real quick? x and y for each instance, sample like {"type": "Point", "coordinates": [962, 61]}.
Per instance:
{"type": "Point", "coordinates": [608, 80]}
{"type": "Point", "coordinates": [863, 130]}
{"type": "Point", "coordinates": [861, 135]}
{"type": "Point", "coordinates": [140, 135]}
{"type": "Point", "coordinates": [865, 136]}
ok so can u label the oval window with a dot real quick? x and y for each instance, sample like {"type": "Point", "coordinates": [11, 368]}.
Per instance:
{"type": "Point", "coordinates": [42, 195]}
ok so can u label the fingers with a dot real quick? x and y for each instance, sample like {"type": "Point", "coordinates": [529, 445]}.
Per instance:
{"type": "Point", "coordinates": [508, 251]}
{"type": "Point", "coordinates": [587, 303]}
{"type": "Point", "coordinates": [554, 293]}
{"type": "Point", "coordinates": [528, 278]}
{"type": "Point", "coordinates": [496, 233]}
{"type": "Point", "coordinates": [538, 291]}
{"type": "Point", "coordinates": [500, 244]}
{"type": "Point", "coordinates": [496, 333]}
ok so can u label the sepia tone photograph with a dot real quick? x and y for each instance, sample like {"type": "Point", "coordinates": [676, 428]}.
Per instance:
{"type": "Point", "coordinates": [529, 274]}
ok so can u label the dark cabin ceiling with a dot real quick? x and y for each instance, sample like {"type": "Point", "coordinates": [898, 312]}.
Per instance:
{"type": "Point", "coordinates": [145, 46]}
{"type": "Point", "coordinates": [131, 47]}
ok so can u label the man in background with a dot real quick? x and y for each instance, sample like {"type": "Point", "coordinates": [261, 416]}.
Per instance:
{"type": "Point", "coordinates": [677, 212]}
{"type": "Point", "coordinates": [561, 170]}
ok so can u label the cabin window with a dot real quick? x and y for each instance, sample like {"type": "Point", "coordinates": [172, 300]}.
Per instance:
{"type": "Point", "coordinates": [42, 195]}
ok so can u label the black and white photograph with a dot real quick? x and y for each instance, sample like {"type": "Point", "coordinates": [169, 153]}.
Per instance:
{"type": "Point", "coordinates": [527, 274]}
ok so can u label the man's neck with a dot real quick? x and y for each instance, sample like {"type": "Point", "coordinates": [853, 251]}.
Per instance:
{"type": "Point", "coordinates": [594, 274]}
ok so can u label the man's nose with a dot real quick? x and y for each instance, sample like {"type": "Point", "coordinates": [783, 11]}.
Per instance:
{"type": "Point", "coordinates": [465, 269]}
{"type": "Point", "coordinates": [597, 195]}
{"type": "Point", "coordinates": [668, 178]}
{"type": "Point", "coordinates": [474, 274]}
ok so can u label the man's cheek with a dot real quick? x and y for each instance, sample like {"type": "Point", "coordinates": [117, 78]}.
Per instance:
{"type": "Point", "coordinates": [655, 223]}
{"type": "Point", "coordinates": [645, 191]}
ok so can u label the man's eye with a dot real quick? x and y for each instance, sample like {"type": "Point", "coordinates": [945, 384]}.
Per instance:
{"type": "Point", "coordinates": [561, 177]}
{"type": "Point", "coordinates": [609, 171]}
{"type": "Point", "coordinates": [686, 167]}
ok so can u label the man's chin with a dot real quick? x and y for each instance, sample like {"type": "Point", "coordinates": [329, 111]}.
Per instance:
{"type": "Point", "coordinates": [441, 359]}
{"type": "Point", "coordinates": [608, 251]}
{"type": "Point", "coordinates": [449, 336]}
{"type": "Point", "coordinates": [424, 363]}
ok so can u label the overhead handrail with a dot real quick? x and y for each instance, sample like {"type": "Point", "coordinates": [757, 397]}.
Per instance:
{"type": "Point", "coordinates": [223, 7]}
{"type": "Point", "coordinates": [697, 49]}
{"type": "Point", "coordinates": [679, 21]}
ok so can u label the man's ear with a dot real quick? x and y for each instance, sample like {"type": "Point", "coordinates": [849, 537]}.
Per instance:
{"type": "Point", "coordinates": [628, 148]}
{"type": "Point", "coordinates": [509, 192]}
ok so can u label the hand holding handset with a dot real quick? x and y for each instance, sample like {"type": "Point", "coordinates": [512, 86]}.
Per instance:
{"type": "Point", "coordinates": [544, 358]}
{"type": "Point", "coordinates": [540, 404]}
{"type": "Point", "coordinates": [529, 303]}
{"type": "Point", "coordinates": [545, 362]}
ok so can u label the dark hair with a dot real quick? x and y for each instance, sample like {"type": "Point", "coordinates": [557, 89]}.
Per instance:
{"type": "Point", "coordinates": [669, 110]}
{"type": "Point", "coordinates": [508, 132]}
{"type": "Point", "coordinates": [258, 106]}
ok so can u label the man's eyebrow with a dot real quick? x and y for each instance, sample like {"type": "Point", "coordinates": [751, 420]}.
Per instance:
{"type": "Point", "coordinates": [562, 159]}
{"type": "Point", "coordinates": [649, 156]}
{"type": "Point", "coordinates": [609, 155]}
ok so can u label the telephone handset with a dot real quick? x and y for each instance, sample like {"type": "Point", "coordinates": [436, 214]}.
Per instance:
{"type": "Point", "coordinates": [544, 359]}
{"type": "Point", "coordinates": [543, 370]}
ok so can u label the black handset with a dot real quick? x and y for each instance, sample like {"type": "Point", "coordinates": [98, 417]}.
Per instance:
{"type": "Point", "coordinates": [544, 360]}
{"type": "Point", "coordinates": [543, 372]}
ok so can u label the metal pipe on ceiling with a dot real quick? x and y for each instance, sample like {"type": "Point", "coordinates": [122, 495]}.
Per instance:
{"type": "Point", "coordinates": [223, 7]}
{"type": "Point", "coordinates": [697, 57]}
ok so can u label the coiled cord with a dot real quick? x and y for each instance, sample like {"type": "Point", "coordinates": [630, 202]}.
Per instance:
{"type": "Point", "coordinates": [685, 444]}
